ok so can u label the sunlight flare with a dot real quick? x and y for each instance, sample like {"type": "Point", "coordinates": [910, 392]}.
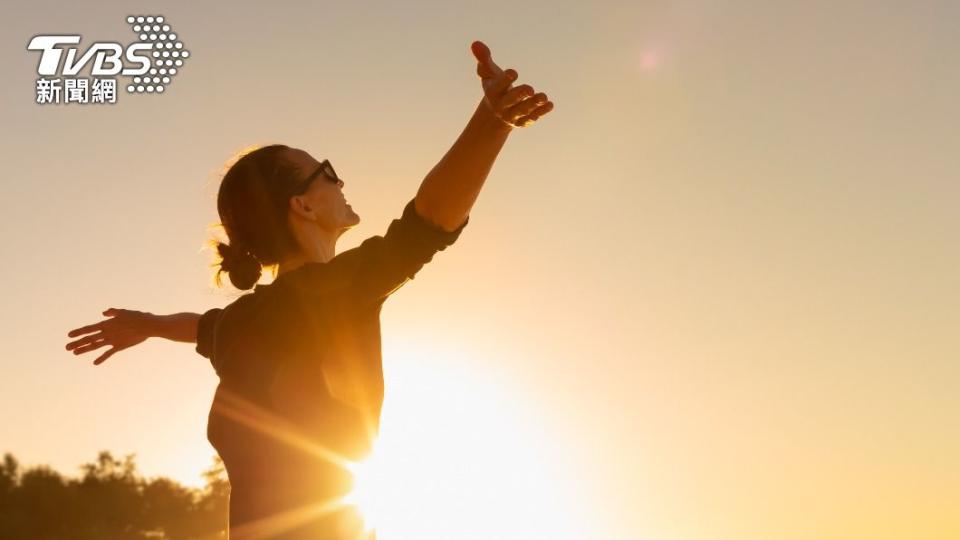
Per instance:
{"type": "Point", "coordinates": [461, 456]}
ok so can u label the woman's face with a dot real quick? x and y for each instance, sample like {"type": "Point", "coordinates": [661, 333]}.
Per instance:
{"type": "Point", "coordinates": [323, 198]}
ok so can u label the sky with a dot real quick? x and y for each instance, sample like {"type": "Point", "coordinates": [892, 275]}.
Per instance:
{"type": "Point", "coordinates": [712, 295]}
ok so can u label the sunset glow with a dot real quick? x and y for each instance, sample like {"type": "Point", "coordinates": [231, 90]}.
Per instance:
{"type": "Point", "coordinates": [714, 295]}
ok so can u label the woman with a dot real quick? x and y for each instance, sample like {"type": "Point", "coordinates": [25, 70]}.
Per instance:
{"type": "Point", "coordinates": [299, 360]}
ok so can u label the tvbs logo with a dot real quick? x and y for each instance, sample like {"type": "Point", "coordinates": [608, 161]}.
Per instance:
{"type": "Point", "coordinates": [152, 62]}
{"type": "Point", "coordinates": [107, 61]}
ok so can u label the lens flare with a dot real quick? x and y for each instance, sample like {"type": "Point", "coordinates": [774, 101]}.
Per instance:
{"type": "Point", "coordinates": [650, 60]}
{"type": "Point", "coordinates": [371, 492]}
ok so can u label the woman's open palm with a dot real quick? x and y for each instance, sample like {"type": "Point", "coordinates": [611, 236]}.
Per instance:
{"type": "Point", "coordinates": [517, 106]}
{"type": "Point", "coordinates": [124, 329]}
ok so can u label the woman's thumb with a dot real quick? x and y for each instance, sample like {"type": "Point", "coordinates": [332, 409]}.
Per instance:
{"type": "Point", "coordinates": [480, 51]}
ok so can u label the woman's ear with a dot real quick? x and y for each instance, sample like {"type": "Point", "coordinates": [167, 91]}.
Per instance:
{"type": "Point", "coordinates": [299, 205]}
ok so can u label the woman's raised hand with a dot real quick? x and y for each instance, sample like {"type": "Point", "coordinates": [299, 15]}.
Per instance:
{"type": "Point", "coordinates": [516, 106]}
{"type": "Point", "coordinates": [125, 328]}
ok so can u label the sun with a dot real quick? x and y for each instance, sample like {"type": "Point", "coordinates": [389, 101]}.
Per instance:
{"type": "Point", "coordinates": [460, 455]}
{"type": "Point", "coordinates": [371, 485]}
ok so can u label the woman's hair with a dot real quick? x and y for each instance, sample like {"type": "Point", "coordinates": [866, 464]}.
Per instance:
{"type": "Point", "coordinates": [253, 205]}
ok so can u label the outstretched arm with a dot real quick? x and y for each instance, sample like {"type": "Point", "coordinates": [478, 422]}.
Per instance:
{"type": "Point", "coordinates": [451, 188]}
{"type": "Point", "coordinates": [126, 328]}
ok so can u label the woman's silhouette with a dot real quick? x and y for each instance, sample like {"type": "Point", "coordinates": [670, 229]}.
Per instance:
{"type": "Point", "coordinates": [299, 360]}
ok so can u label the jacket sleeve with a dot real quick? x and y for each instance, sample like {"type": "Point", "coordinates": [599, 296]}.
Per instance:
{"type": "Point", "coordinates": [205, 328]}
{"type": "Point", "coordinates": [387, 262]}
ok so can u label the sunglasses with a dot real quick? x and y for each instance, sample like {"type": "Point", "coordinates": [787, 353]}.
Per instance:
{"type": "Point", "coordinates": [325, 170]}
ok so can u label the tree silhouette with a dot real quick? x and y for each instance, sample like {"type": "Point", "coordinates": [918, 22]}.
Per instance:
{"type": "Point", "coordinates": [110, 501]}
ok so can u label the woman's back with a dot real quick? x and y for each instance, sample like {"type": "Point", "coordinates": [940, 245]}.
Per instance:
{"type": "Point", "coordinates": [275, 420]}
{"type": "Point", "coordinates": [301, 379]}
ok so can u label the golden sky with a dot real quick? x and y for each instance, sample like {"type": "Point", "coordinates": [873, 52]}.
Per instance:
{"type": "Point", "coordinates": [713, 295]}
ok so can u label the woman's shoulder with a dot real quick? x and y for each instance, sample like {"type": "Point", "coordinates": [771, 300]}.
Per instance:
{"type": "Point", "coordinates": [321, 278]}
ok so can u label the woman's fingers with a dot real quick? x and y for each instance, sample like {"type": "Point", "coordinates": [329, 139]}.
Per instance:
{"type": "Point", "coordinates": [119, 319]}
{"type": "Point", "coordinates": [92, 346]}
{"type": "Point", "coordinates": [531, 117]}
{"type": "Point", "coordinates": [515, 106]}
{"type": "Point", "coordinates": [526, 106]}
{"type": "Point", "coordinates": [485, 71]}
{"type": "Point", "coordinates": [480, 50]}
{"type": "Point", "coordinates": [110, 312]}
{"type": "Point", "coordinates": [94, 332]}
{"type": "Point", "coordinates": [124, 329]}
{"type": "Point", "coordinates": [540, 111]}
{"type": "Point", "coordinates": [103, 357]}
{"type": "Point", "coordinates": [524, 121]}
{"type": "Point", "coordinates": [486, 67]}
{"type": "Point", "coordinates": [515, 95]}
{"type": "Point", "coordinates": [86, 329]}
{"type": "Point", "coordinates": [530, 108]}
{"type": "Point", "coordinates": [495, 80]}
{"type": "Point", "coordinates": [496, 88]}
{"type": "Point", "coordinates": [85, 340]}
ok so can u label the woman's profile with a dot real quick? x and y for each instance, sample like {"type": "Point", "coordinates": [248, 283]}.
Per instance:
{"type": "Point", "coordinates": [299, 359]}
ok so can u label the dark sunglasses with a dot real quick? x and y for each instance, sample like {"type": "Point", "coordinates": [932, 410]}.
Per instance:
{"type": "Point", "coordinates": [325, 170]}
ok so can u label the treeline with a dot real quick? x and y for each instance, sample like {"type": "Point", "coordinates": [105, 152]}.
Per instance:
{"type": "Point", "coordinates": [109, 501]}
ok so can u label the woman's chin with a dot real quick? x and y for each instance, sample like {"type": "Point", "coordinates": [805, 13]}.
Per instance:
{"type": "Point", "coordinates": [352, 217]}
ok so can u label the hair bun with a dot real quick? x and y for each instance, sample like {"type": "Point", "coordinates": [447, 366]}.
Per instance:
{"type": "Point", "coordinates": [242, 266]}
